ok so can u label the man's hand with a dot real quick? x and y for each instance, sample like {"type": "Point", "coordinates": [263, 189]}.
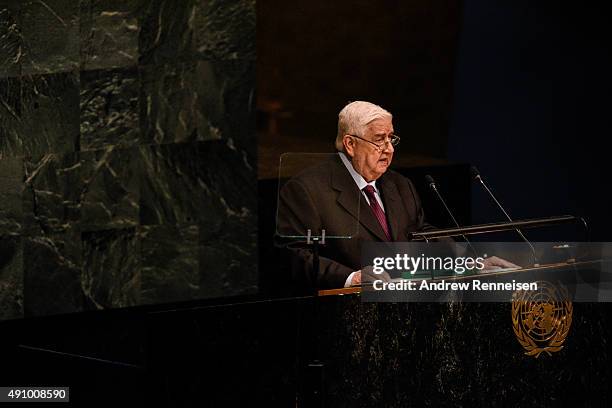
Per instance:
{"type": "Point", "coordinates": [366, 275]}
{"type": "Point", "coordinates": [491, 263]}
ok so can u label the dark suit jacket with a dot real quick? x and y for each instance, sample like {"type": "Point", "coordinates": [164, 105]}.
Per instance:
{"type": "Point", "coordinates": [326, 197]}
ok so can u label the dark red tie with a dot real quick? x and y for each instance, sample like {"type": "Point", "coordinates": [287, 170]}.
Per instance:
{"type": "Point", "coordinates": [378, 212]}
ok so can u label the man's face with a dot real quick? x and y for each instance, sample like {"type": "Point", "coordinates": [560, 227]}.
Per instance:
{"type": "Point", "coordinates": [367, 160]}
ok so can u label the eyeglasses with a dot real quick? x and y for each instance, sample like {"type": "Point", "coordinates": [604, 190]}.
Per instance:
{"type": "Point", "coordinates": [392, 139]}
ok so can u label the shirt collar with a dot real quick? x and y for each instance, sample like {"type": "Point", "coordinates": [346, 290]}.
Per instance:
{"type": "Point", "coordinates": [359, 180]}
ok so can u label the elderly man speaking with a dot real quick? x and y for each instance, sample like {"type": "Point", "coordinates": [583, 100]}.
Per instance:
{"type": "Point", "coordinates": [326, 196]}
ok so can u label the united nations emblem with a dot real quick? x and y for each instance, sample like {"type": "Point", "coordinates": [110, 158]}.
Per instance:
{"type": "Point", "coordinates": [542, 318]}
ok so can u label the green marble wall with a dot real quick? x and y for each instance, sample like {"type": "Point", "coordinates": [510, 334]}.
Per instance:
{"type": "Point", "coordinates": [127, 153]}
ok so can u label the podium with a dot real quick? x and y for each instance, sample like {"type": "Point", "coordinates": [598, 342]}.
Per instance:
{"type": "Point", "coordinates": [375, 354]}
{"type": "Point", "coordinates": [253, 351]}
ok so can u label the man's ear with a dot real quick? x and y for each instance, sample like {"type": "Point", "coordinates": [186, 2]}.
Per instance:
{"type": "Point", "coordinates": [349, 145]}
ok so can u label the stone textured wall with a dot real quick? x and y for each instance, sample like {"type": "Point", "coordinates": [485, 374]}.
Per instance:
{"type": "Point", "coordinates": [127, 153]}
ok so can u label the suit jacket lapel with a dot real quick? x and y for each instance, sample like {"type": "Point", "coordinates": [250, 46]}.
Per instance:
{"type": "Point", "coordinates": [390, 196]}
{"type": "Point", "coordinates": [351, 199]}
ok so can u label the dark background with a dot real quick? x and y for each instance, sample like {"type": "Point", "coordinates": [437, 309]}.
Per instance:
{"type": "Point", "coordinates": [315, 57]}
{"type": "Point", "coordinates": [532, 108]}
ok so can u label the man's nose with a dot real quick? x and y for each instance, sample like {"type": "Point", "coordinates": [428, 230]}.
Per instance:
{"type": "Point", "coordinates": [388, 148]}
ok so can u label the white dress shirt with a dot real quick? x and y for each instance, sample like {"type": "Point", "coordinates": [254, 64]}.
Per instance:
{"type": "Point", "coordinates": [360, 181]}
{"type": "Point", "coordinates": [361, 184]}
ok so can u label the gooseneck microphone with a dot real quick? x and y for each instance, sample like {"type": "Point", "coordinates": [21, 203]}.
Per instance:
{"type": "Point", "coordinates": [476, 176]}
{"type": "Point", "coordinates": [432, 184]}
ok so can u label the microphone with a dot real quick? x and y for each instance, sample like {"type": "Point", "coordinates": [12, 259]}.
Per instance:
{"type": "Point", "coordinates": [476, 176]}
{"type": "Point", "coordinates": [434, 187]}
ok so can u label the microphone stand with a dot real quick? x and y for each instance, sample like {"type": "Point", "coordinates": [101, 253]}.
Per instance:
{"type": "Point", "coordinates": [477, 176]}
{"type": "Point", "coordinates": [434, 187]}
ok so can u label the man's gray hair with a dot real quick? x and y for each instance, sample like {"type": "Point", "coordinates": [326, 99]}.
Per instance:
{"type": "Point", "coordinates": [354, 117]}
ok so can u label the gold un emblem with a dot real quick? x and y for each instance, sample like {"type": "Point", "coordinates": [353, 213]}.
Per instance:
{"type": "Point", "coordinates": [542, 318]}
